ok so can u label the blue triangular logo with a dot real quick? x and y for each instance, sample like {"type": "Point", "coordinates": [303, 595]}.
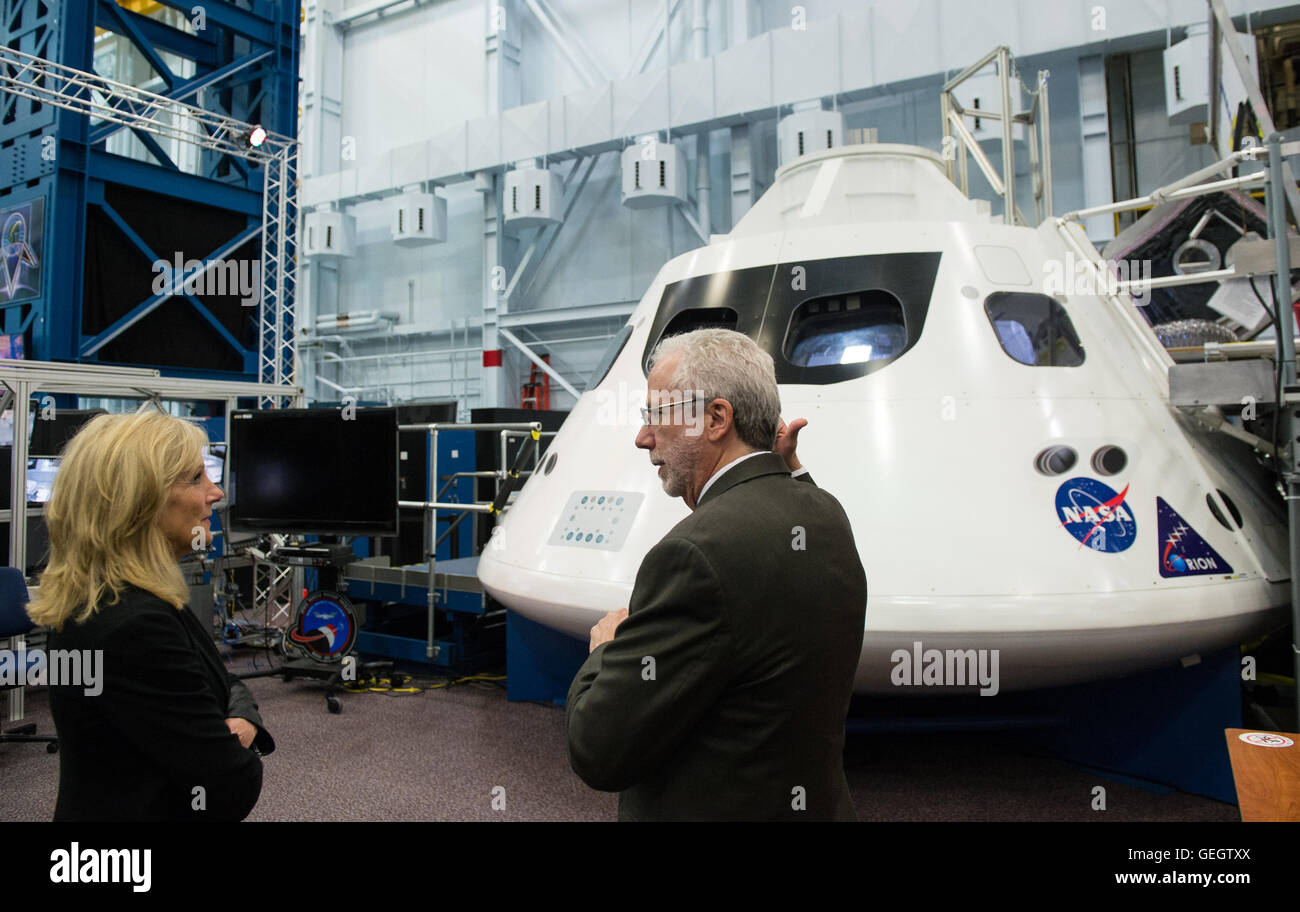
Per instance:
{"type": "Point", "coordinates": [1182, 551]}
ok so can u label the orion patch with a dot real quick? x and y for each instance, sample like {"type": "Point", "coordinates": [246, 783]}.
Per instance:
{"type": "Point", "coordinates": [1096, 515]}
{"type": "Point", "coordinates": [1182, 551]}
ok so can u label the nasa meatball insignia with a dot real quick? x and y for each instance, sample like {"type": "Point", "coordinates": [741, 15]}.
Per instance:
{"type": "Point", "coordinates": [1095, 514]}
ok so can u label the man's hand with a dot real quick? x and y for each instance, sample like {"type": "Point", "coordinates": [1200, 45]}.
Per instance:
{"type": "Point", "coordinates": [603, 632]}
{"type": "Point", "coordinates": [243, 729]}
{"type": "Point", "coordinates": [787, 438]}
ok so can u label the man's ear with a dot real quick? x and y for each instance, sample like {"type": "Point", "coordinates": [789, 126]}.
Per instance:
{"type": "Point", "coordinates": [720, 420]}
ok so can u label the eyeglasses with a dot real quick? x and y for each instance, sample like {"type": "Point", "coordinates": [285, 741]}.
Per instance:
{"type": "Point", "coordinates": [647, 412]}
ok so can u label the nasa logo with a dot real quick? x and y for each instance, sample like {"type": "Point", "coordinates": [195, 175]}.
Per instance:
{"type": "Point", "coordinates": [1095, 515]}
{"type": "Point", "coordinates": [1182, 551]}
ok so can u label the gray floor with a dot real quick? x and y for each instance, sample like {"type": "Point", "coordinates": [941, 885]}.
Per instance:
{"type": "Point", "coordinates": [439, 755]}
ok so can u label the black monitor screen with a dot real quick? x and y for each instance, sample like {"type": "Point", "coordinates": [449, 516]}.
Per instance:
{"type": "Point", "coordinates": [51, 433]}
{"type": "Point", "coordinates": [314, 471]}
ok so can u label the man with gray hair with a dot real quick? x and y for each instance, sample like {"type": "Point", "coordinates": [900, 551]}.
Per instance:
{"type": "Point", "coordinates": [721, 691]}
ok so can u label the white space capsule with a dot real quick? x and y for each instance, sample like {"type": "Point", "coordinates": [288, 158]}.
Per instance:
{"type": "Point", "coordinates": [999, 434]}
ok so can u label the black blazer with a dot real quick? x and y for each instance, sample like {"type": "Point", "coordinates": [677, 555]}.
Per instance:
{"type": "Point", "coordinates": [157, 732]}
{"type": "Point", "coordinates": [723, 695]}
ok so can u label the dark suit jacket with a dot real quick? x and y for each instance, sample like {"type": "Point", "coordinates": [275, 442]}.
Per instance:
{"type": "Point", "coordinates": [137, 750]}
{"type": "Point", "coordinates": [754, 646]}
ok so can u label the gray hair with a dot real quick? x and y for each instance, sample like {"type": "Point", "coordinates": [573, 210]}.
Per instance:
{"type": "Point", "coordinates": [725, 364]}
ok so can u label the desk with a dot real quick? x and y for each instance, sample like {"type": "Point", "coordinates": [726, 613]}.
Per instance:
{"type": "Point", "coordinates": [1267, 777]}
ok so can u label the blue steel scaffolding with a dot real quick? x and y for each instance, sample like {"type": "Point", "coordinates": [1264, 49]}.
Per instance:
{"type": "Point", "coordinates": [85, 228]}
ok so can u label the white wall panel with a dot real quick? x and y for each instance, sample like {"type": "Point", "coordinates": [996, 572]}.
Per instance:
{"type": "Point", "coordinates": [855, 48]}
{"type": "Point", "coordinates": [483, 143]}
{"type": "Point", "coordinates": [588, 116]}
{"type": "Point", "coordinates": [743, 76]}
{"type": "Point", "coordinates": [906, 37]}
{"type": "Point", "coordinates": [805, 63]}
{"type": "Point", "coordinates": [525, 131]}
{"type": "Point", "coordinates": [418, 72]}
{"type": "Point", "coordinates": [691, 91]}
{"type": "Point", "coordinates": [447, 151]}
{"type": "Point", "coordinates": [410, 163]}
{"type": "Point", "coordinates": [641, 103]}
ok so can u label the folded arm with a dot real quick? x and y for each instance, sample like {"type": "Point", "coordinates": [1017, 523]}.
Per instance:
{"type": "Point", "coordinates": [156, 694]}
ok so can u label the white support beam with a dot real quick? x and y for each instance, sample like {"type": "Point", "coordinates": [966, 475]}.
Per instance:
{"type": "Point", "coordinates": [1096, 144]}
{"type": "Point", "coordinates": [85, 380]}
{"type": "Point", "coordinates": [501, 51]}
{"type": "Point", "coordinates": [501, 59]}
{"type": "Point", "coordinates": [662, 19]}
{"type": "Point", "coordinates": [742, 21]}
{"type": "Point", "coordinates": [321, 126]}
{"type": "Point", "coordinates": [376, 9]}
{"type": "Point", "coordinates": [689, 216]}
{"type": "Point", "coordinates": [532, 356]}
{"type": "Point", "coordinates": [545, 236]}
{"type": "Point", "coordinates": [570, 198]}
{"type": "Point", "coordinates": [743, 189]}
{"type": "Point", "coordinates": [587, 68]}
{"type": "Point", "coordinates": [981, 159]}
{"type": "Point", "coordinates": [493, 285]}
{"type": "Point", "coordinates": [581, 313]}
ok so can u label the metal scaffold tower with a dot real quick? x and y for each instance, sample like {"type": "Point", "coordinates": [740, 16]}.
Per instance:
{"type": "Point", "coordinates": [131, 136]}
{"type": "Point", "coordinates": [112, 102]}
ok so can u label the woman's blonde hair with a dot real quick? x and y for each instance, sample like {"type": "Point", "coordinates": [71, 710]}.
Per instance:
{"type": "Point", "coordinates": [114, 481]}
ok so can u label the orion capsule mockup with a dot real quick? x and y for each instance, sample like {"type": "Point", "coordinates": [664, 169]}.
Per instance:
{"type": "Point", "coordinates": [1004, 446]}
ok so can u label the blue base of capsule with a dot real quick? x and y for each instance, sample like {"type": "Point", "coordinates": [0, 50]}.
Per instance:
{"type": "Point", "coordinates": [541, 663]}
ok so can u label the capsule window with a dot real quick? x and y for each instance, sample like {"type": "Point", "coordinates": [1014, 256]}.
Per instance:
{"type": "Point", "coordinates": [701, 318]}
{"type": "Point", "coordinates": [846, 329]}
{"type": "Point", "coordinates": [1232, 507]}
{"type": "Point", "coordinates": [1218, 514]}
{"type": "Point", "coordinates": [1034, 329]}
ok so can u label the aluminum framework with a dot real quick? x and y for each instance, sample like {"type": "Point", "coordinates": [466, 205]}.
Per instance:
{"type": "Point", "coordinates": [88, 93]}
{"type": "Point", "coordinates": [44, 81]}
{"type": "Point", "coordinates": [1116, 292]}
{"type": "Point", "coordinates": [21, 379]}
{"type": "Point", "coordinates": [958, 141]}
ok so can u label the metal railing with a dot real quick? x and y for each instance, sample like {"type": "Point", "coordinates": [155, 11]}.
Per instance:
{"type": "Point", "coordinates": [530, 429]}
{"type": "Point", "coordinates": [1037, 127]}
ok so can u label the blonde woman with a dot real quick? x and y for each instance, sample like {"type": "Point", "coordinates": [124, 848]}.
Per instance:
{"type": "Point", "coordinates": [171, 734]}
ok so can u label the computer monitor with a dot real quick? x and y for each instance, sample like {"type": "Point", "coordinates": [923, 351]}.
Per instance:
{"type": "Point", "coordinates": [214, 461]}
{"type": "Point", "coordinates": [51, 434]}
{"type": "Point", "coordinates": [40, 479]}
{"type": "Point", "coordinates": [314, 471]}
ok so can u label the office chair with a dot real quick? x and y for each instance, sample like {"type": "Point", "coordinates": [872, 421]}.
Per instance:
{"type": "Point", "coordinates": [15, 622]}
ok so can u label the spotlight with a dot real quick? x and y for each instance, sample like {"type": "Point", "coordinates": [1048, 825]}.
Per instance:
{"type": "Point", "coordinates": [256, 136]}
